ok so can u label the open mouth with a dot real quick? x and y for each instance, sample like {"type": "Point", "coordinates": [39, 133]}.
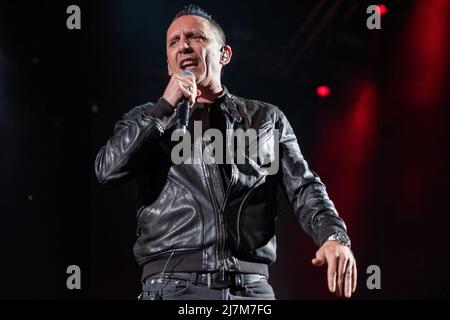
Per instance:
{"type": "Point", "coordinates": [187, 64]}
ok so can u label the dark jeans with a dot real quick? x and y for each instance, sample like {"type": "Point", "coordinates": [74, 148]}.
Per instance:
{"type": "Point", "coordinates": [163, 288]}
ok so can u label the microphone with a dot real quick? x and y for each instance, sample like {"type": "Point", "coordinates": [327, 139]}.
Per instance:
{"type": "Point", "coordinates": [183, 107]}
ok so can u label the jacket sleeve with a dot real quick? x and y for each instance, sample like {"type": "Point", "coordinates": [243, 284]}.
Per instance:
{"type": "Point", "coordinates": [305, 191]}
{"type": "Point", "coordinates": [121, 157]}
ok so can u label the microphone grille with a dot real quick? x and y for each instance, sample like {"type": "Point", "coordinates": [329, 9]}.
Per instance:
{"type": "Point", "coordinates": [187, 73]}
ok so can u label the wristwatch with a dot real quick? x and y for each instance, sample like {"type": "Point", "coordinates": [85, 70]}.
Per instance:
{"type": "Point", "coordinates": [340, 236]}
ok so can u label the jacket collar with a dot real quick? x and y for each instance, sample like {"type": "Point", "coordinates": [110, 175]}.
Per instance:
{"type": "Point", "coordinates": [228, 101]}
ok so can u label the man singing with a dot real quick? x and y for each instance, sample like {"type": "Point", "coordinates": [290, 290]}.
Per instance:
{"type": "Point", "coordinates": [206, 229]}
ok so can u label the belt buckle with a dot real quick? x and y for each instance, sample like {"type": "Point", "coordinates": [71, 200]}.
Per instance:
{"type": "Point", "coordinates": [233, 279]}
{"type": "Point", "coordinates": [208, 279]}
{"type": "Point", "coordinates": [238, 280]}
{"type": "Point", "coordinates": [225, 279]}
{"type": "Point", "coordinates": [220, 280]}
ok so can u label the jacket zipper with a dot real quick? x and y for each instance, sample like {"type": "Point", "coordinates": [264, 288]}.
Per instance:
{"type": "Point", "coordinates": [225, 199]}
{"type": "Point", "coordinates": [214, 201]}
{"type": "Point", "coordinates": [220, 209]}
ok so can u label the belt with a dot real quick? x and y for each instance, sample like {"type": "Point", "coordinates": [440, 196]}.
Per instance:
{"type": "Point", "coordinates": [215, 279]}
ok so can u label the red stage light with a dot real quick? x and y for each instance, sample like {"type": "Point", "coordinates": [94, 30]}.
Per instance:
{"type": "Point", "coordinates": [323, 91]}
{"type": "Point", "coordinates": [383, 9]}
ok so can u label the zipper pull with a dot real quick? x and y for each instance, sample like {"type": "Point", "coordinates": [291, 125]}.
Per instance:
{"type": "Point", "coordinates": [138, 230]}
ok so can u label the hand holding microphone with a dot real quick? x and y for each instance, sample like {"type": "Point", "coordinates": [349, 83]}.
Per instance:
{"type": "Point", "coordinates": [181, 93]}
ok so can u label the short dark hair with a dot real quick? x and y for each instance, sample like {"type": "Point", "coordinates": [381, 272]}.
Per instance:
{"type": "Point", "coordinates": [194, 10]}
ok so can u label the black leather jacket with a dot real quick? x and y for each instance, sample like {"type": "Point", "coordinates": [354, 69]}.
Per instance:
{"type": "Point", "coordinates": [186, 211]}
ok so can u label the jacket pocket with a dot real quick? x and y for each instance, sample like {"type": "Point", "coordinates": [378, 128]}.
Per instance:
{"type": "Point", "coordinates": [144, 210]}
{"type": "Point", "coordinates": [262, 135]}
{"type": "Point", "coordinates": [255, 221]}
{"type": "Point", "coordinates": [173, 222]}
{"type": "Point", "coordinates": [260, 151]}
{"type": "Point", "coordinates": [164, 288]}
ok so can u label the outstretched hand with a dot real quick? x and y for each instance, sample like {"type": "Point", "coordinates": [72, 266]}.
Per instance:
{"type": "Point", "coordinates": [341, 267]}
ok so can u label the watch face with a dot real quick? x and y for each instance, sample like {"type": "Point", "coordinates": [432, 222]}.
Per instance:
{"type": "Point", "coordinates": [343, 238]}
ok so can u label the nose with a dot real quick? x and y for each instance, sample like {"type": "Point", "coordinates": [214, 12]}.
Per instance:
{"type": "Point", "coordinates": [183, 45]}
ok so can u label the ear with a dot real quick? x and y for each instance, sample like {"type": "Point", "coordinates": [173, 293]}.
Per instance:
{"type": "Point", "coordinates": [226, 54]}
{"type": "Point", "coordinates": [169, 69]}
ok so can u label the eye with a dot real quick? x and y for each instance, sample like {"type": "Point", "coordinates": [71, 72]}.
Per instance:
{"type": "Point", "coordinates": [173, 42]}
{"type": "Point", "coordinates": [198, 37]}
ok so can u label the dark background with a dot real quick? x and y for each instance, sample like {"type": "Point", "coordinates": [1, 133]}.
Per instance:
{"type": "Point", "coordinates": [379, 141]}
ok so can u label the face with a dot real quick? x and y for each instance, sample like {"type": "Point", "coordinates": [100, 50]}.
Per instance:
{"type": "Point", "coordinates": [193, 44]}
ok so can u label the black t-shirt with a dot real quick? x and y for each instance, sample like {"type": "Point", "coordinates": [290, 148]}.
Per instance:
{"type": "Point", "coordinates": [212, 116]}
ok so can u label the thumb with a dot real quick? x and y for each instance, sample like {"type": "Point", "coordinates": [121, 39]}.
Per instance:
{"type": "Point", "coordinates": [319, 260]}
{"type": "Point", "coordinates": [199, 93]}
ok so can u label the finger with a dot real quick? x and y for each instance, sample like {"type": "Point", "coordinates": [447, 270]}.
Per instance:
{"type": "Point", "coordinates": [191, 89]}
{"type": "Point", "coordinates": [341, 273]}
{"type": "Point", "coordinates": [184, 88]}
{"type": "Point", "coordinates": [319, 260]}
{"type": "Point", "coordinates": [332, 260]}
{"type": "Point", "coordinates": [188, 94]}
{"type": "Point", "coordinates": [348, 279]}
{"type": "Point", "coordinates": [355, 277]}
{"type": "Point", "coordinates": [184, 82]}
{"type": "Point", "coordinates": [187, 79]}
